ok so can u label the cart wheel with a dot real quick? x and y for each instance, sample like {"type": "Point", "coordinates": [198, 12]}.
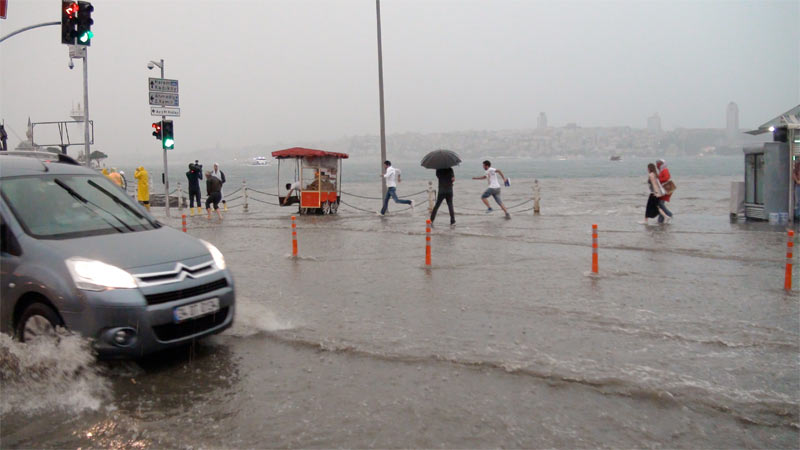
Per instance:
{"type": "Point", "coordinates": [326, 208]}
{"type": "Point", "coordinates": [334, 207]}
{"type": "Point", "coordinates": [303, 211]}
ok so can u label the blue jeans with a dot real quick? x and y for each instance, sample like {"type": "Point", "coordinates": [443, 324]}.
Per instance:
{"type": "Point", "coordinates": [663, 205]}
{"type": "Point", "coordinates": [392, 193]}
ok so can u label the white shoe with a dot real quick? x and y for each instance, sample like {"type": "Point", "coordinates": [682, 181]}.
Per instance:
{"type": "Point", "coordinates": [668, 220]}
{"type": "Point", "coordinates": [642, 222]}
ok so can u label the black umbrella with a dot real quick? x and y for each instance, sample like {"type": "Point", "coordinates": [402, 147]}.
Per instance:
{"type": "Point", "coordinates": [440, 159]}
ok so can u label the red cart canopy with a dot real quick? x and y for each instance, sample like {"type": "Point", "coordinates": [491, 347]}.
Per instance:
{"type": "Point", "coordinates": [300, 152]}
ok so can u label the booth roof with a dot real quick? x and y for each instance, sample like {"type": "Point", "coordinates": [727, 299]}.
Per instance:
{"type": "Point", "coordinates": [299, 152]}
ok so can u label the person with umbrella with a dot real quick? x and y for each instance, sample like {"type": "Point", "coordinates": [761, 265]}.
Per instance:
{"type": "Point", "coordinates": [494, 187]}
{"type": "Point", "coordinates": [443, 161]}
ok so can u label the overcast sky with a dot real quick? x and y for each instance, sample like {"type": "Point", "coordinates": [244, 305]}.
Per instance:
{"type": "Point", "coordinates": [294, 71]}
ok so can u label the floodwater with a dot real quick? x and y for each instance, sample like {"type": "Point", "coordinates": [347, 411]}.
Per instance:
{"type": "Point", "coordinates": [685, 338]}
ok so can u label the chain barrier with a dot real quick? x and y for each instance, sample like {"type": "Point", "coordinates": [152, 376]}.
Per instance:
{"type": "Point", "coordinates": [263, 201]}
{"type": "Point", "coordinates": [264, 193]}
{"type": "Point", "coordinates": [355, 207]}
{"type": "Point", "coordinates": [507, 207]}
{"type": "Point", "coordinates": [231, 193]}
{"type": "Point", "coordinates": [232, 199]}
{"type": "Point", "coordinates": [381, 198]}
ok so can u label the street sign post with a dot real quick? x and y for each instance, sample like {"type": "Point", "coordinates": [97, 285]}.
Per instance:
{"type": "Point", "coordinates": [164, 99]}
{"type": "Point", "coordinates": [163, 85]}
{"type": "Point", "coordinates": [165, 111]}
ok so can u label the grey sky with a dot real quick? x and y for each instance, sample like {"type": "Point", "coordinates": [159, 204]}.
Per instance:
{"type": "Point", "coordinates": [293, 71]}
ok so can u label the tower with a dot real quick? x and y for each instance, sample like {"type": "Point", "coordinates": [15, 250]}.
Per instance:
{"type": "Point", "coordinates": [541, 122]}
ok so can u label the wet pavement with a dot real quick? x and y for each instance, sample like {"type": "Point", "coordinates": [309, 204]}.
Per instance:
{"type": "Point", "coordinates": [685, 338]}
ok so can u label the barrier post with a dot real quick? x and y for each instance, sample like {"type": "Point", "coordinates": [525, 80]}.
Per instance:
{"type": "Point", "coordinates": [787, 282]}
{"type": "Point", "coordinates": [536, 197]}
{"type": "Point", "coordinates": [294, 237]}
{"type": "Point", "coordinates": [428, 242]}
{"type": "Point", "coordinates": [183, 222]}
{"type": "Point", "coordinates": [244, 188]}
{"type": "Point", "coordinates": [431, 196]}
{"type": "Point", "coordinates": [594, 248]}
{"type": "Point", "coordinates": [180, 197]}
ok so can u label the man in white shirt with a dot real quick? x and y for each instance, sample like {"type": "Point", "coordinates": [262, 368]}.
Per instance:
{"type": "Point", "coordinates": [292, 187]}
{"type": "Point", "coordinates": [392, 176]}
{"type": "Point", "coordinates": [494, 187]}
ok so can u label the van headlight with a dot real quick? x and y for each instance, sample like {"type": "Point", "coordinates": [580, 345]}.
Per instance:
{"type": "Point", "coordinates": [93, 275]}
{"type": "Point", "coordinates": [219, 260]}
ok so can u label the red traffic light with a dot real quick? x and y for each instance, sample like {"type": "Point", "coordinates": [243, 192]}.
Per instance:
{"type": "Point", "coordinates": [72, 10]}
{"type": "Point", "coordinates": [157, 130]}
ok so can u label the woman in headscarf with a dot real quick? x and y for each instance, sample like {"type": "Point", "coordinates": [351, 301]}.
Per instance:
{"type": "Point", "coordinates": [663, 178]}
{"type": "Point", "coordinates": [220, 175]}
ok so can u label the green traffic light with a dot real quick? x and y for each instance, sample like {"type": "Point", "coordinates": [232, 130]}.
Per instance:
{"type": "Point", "coordinates": [169, 143]}
{"type": "Point", "coordinates": [86, 36]}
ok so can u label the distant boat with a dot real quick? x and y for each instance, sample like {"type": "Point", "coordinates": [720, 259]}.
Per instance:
{"type": "Point", "coordinates": [615, 158]}
{"type": "Point", "coordinates": [260, 161]}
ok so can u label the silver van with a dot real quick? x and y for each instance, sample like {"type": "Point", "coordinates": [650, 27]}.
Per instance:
{"type": "Point", "coordinates": [76, 252]}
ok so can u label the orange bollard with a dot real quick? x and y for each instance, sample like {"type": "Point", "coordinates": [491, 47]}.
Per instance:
{"type": "Point", "coordinates": [594, 248]}
{"type": "Point", "coordinates": [294, 237]}
{"type": "Point", "coordinates": [428, 242]}
{"type": "Point", "coordinates": [787, 283]}
{"type": "Point", "coordinates": [183, 220]}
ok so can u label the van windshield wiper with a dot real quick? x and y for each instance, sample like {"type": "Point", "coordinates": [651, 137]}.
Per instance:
{"type": "Point", "coordinates": [86, 203]}
{"type": "Point", "coordinates": [128, 207]}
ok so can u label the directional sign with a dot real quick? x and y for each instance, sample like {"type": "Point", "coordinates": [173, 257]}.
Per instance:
{"type": "Point", "coordinates": [163, 111]}
{"type": "Point", "coordinates": [163, 85]}
{"type": "Point", "coordinates": [164, 99]}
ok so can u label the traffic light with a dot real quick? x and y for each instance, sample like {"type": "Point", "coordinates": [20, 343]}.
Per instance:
{"type": "Point", "coordinates": [167, 136]}
{"type": "Point", "coordinates": [157, 130]}
{"type": "Point", "coordinates": [69, 21]}
{"type": "Point", "coordinates": [84, 29]}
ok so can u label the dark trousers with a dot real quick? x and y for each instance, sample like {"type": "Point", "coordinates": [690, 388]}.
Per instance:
{"type": "Point", "coordinates": [439, 199]}
{"type": "Point", "coordinates": [213, 198]}
{"type": "Point", "coordinates": [194, 197]}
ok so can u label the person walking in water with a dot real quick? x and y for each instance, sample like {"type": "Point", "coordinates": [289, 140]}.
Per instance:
{"type": "Point", "coordinates": [221, 176]}
{"type": "Point", "coordinates": [115, 177]}
{"type": "Point", "coordinates": [664, 178]}
{"type": "Point", "coordinates": [143, 186]}
{"type": "Point", "coordinates": [656, 191]}
{"type": "Point", "coordinates": [213, 194]}
{"type": "Point", "coordinates": [392, 176]}
{"type": "Point", "coordinates": [494, 187]}
{"type": "Point", "coordinates": [194, 175]}
{"type": "Point", "coordinates": [446, 179]}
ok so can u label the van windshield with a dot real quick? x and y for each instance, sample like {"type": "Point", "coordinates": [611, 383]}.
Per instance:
{"type": "Point", "coordinates": [68, 206]}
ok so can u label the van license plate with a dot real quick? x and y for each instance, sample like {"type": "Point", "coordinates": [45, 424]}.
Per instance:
{"type": "Point", "coordinates": [198, 309]}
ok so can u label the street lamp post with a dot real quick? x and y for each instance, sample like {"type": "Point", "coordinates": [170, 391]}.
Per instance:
{"type": "Point", "coordinates": [150, 66]}
{"type": "Point", "coordinates": [380, 92]}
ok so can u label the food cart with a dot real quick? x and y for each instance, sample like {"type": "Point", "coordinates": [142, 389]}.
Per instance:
{"type": "Point", "coordinates": [318, 173]}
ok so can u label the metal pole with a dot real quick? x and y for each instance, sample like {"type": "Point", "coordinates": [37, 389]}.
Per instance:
{"type": "Point", "coordinates": [380, 89]}
{"type": "Point", "coordinates": [46, 24]}
{"type": "Point", "coordinates": [166, 172]}
{"type": "Point", "coordinates": [86, 107]}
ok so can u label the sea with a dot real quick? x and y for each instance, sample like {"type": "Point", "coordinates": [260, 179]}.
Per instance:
{"type": "Point", "coordinates": [684, 338]}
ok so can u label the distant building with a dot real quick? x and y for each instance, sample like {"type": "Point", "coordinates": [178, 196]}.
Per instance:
{"type": "Point", "coordinates": [732, 120]}
{"type": "Point", "coordinates": [654, 123]}
{"type": "Point", "coordinates": [541, 122]}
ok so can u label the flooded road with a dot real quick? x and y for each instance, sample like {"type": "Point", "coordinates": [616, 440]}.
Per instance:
{"type": "Point", "coordinates": [684, 339]}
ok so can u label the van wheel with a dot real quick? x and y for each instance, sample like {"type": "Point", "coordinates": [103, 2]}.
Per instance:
{"type": "Point", "coordinates": [38, 321]}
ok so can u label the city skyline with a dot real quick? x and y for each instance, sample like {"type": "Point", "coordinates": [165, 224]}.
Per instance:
{"type": "Point", "coordinates": [259, 74]}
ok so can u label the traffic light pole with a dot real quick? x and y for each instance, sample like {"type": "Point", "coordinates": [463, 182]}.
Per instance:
{"type": "Point", "coordinates": [86, 107]}
{"type": "Point", "coordinates": [166, 173]}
